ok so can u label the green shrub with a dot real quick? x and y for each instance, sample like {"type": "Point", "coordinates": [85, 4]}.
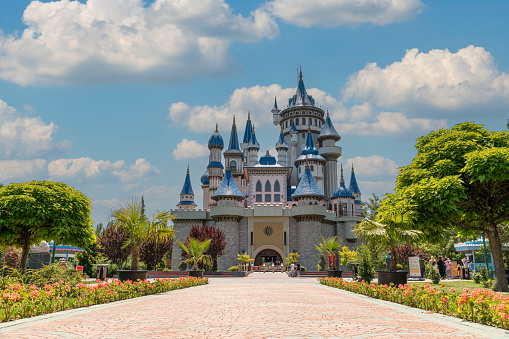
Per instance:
{"type": "Point", "coordinates": [366, 269]}
{"type": "Point", "coordinates": [477, 277]}
{"type": "Point", "coordinates": [233, 269]}
{"type": "Point", "coordinates": [183, 266]}
{"type": "Point", "coordinates": [432, 273]}
{"type": "Point", "coordinates": [303, 269]}
{"type": "Point", "coordinates": [50, 274]}
{"type": "Point", "coordinates": [399, 266]}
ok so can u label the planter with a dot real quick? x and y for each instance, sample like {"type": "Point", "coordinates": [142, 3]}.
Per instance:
{"type": "Point", "coordinates": [197, 274]}
{"type": "Point", "coordinates": [395, 277]}
{"type": "Point", "coordinates": [334, 274]}
{"type": "Point", "coordinates": [124, 275]}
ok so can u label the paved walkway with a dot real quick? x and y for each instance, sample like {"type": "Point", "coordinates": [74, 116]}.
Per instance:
{"type": "Point", "coordinates": [263, 305]}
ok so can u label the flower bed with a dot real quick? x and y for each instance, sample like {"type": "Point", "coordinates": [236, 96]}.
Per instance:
{"type": "Point", "coordinates": [20, 301]}
{"type": "Point", "coordinates": [477, 305]}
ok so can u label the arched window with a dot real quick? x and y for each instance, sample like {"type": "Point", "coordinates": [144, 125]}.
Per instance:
{"type": "Point", "coordinates": [258, 186]}
{"type": "Point", "coordinates": [297, 121]}
{"type": "Point", "coordinates": [304, 121]}
{"type": "Point", "coordinates": [276, 186]}
{"type": "Point", "coordinates": [267, 186]}
{"type": "Point", "coordinates": [233, 166]}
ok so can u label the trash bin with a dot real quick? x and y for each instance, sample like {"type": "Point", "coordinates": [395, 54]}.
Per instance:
{"type": "Point", "coordinates": [465, 274]}
{"type": "Point", "coordinates": [355, 271]}
{"type": "Point", "coordinates": [102, 271]}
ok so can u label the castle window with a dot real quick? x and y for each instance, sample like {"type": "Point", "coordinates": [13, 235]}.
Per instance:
{"type": "Point", "coordinates": [277, 198]}
{"type": "Point", "coordinates": [233, 166]}
{"type": "Point", "coordinates": [319, 124]}
{"type": "Point", "coordinates": [312, 168]}
{"type": "Point", "coordinates": [345, 209]}
{"type": "Point", "coordinates": [258, 186]}
{"type": "Point", "coordinates": [304, 121]}
{"type": "Point", "coordinates": [300, 168]}
{"type": "Point", "coordinates": [316, 122]}
{"type": "Point", "coordinates": [258, 198]}
{"type": "Point", "coordinates": [267, 198]}
{"type": "Point", "coordinates": [303, 135]}
{"type": "Point", "coordinates": [286, 123]}
{"type": "Point", "coordinates": [296, 121]}
{"type": "Point", "coordinates": [267, 186]}
{"type": "Point", "coordinates": [276, 186]}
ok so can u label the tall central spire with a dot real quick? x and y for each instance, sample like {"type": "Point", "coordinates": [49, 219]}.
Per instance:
{"type": "Point", "coordinates": [234, 140]}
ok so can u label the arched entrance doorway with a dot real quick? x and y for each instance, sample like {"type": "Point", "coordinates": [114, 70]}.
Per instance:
{"type": "Point", "coordinates": [267, 256]}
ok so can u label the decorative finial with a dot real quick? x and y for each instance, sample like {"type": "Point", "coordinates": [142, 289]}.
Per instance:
{"type": "Point", "coordinates": [342, 179]}
{"type": "Point", "coordinates": [248, 115]}
{"type": "Point", "coordinates": [253, 129]}
{"type": "Point", "coordinates": [216, 128]}
{"type": "Point", "coordinates": [309, 128]}
{"type": "Point", "coordinates": [281, 128]}
{"type": "Point", "coordinates": [352, 167]}
{"type": "Point", "coordinates": [233, 120]}
{"type": "Point", "coordinates": [327, 112]}
{"type": "Point", "coordinates": [300, 73]}
{"type": "Point", "coordinates": [267, 154]}
{"type": "Point", "coordinates": [307, 164]}
{"type": "Point", "coordinates": [187, 168]}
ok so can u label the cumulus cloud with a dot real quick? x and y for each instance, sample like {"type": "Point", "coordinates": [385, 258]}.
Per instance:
{"type": "Point", "coordinates": [81, 167]}
{"type": "Point", "coordinates": [374, 165]}
{"type": "Point", "coordinates": [136, 171]}
{"type": "Point", "coordinates": [22, 136]}
{"type": "Point", "coordinates": [329, 13]}
{"type": "Point", "coordinates": [438, 79]}
{"type": "Point", "coordinates": [190, 149]}
{"type": "Point", "coordinates": [70, 42]}
{"type": "Point", "coordinates": [22, 169]}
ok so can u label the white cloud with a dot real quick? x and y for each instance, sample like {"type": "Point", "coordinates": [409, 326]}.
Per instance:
{"type": "Point", "coordinates": [329, 13]}
{"type": "Point", "coordinates": [374, 165]}
{"type": "Point", "coordinates": [69, 42]}
{"type": "Point", "coordinates": [21, 169]}
{"type": "Point", "coordinates": [81, 167]}
{"type": "Point", "coordinates": [190, 149]}
{"type": "Point", "coordinates": [22, 136]}
{"type": "Point", "coordinates": [137, 171]}
{"type": "Point", "coordinates": [439, 79]}
{"type": "Point", "coordinates": [379, 188]}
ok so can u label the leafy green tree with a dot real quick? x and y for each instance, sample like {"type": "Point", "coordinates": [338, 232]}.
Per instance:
{"type": "Point", "coordinates": [459, 179]}
{"type": "Point", "coordinates": [196, 252]}
{"type": "Point", "coordinates": [42, 210]}
{"type": "Point", "coordinates": [132, 219]}
{"type": "Point", "coordinates": [366, 269]}
{"type": "Point", "coordinates": [330, 247]}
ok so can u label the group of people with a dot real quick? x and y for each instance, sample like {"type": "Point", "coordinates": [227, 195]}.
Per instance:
{"type": "Point", "coordinates": [443, 265]}
{"type": "Point", "coordinates": [295, 270]}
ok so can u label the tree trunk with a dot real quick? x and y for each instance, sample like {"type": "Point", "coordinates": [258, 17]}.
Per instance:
{"type": "Point", "coordinates": [498, 259]}
{"type": "Point", "coordinates": [393, 262]}
{"type": "Point", "coordinates": [24, 255]}
{"type": "Point", "coordinates": [134, 258]}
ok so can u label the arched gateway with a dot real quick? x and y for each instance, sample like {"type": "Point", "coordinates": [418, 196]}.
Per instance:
{"type": "Point", "coordinates": [267, 254]}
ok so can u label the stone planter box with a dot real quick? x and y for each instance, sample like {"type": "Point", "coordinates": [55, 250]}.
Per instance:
{"type": "Point", "coordinates": [197, 274]}
{"type": "Point", "coordinates": [124, 275]}
{"type": "Point", "coordinates": [395, 277]}
{"type": "Point", "coordinates": [334, 274]}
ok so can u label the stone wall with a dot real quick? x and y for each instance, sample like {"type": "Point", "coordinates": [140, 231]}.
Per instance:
{"type": "Point", "coordinates": [309, 235]}
{"type": "Point", "coordinates": [182, 230]}
{"type": "Point", "coordinates": [231, 230]}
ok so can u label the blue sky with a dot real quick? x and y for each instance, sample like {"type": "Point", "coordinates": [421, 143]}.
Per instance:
{"type": "Point", "coordinates": [116, 97]}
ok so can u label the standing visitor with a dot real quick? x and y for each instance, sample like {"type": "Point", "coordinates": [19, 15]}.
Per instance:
{"type": "Point", "coordinates": [298, 270]}
{"type": "Point", "coordinates": [292, 270]}
{"type": "Point", "coordinates": [441, 267]}
{"type": "Point", "coordinates": [422, 266]}
{"type": "Point", "coordinates": [448, 268]}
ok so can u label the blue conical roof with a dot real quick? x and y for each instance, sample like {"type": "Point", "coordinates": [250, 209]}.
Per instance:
{"type": "Point", "coordinates": [216, 139]}
{"type": "Point", "coordinates": [249, 130]}
{"type": "Point", "coordinates": [187, 189]}
{"type": "Point", "coordinates": [205, 178]}
{"type": "Point", "coordinates": [342, 191]}
{"type": "Point", "coordinates": [234, 140]}
{"type": "Point", "coordinates": [228, 187]}
{"type": "Point", "coordinates": [281, 140]}
{"type": "Point", "coordinates": [293, 128]}
{"type": "Point", "coordinates": [275, 105]}
{"type": "Point", "coordinates": [253, 142]}
{"type": "Point", "coordinates": [354, 188]}
{"type": "Point", "coordinates": [307, 186]}
{"type": "Point", "coordinates": [328, 130]}
{"type": "Point", "coordinates": [301, 96]}
{"type": "Point", "coordinates": [310, 145]}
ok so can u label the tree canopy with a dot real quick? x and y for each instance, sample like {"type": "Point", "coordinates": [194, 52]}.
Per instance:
{"type": "Point", "coordinates": [459, 179]}
{"type": "Point", "coordinates": [44, 210]}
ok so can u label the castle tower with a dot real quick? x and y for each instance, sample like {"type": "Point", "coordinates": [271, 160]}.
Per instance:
{"type": "Point", "coordinates": [300, 113]}
{"type": "Point", "coordinates": [309, 156]}
{"type": "Point", "coordinates": [356, 192]}
{"type": "Point", "coordinates": [205, 187]}
{"type": "Point", "coordinates": [234, 157]}
{"type": "Point", "coordinates": [247, 136]}
{"type": "Point", "coordinates": [308, 192]}
{"type": "Point", "coordinates": [328, 149]}
{"type": "Point", "coordinates": [342, 200]}
{"type": "Point", "coordinates": [292, 154]}
{"type": "Point", "coordinates": [215, 167]}
{"type": "Point", "coordinates": [252, 149]}
{"type": "Point", "coordinates": [187, 195]}
{"type": "Point", "coordinates": [275, 113]}
{"type": "Point", "coordinates": [282, 150]}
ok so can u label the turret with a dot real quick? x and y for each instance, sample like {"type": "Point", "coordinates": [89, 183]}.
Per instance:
{"type": "Point", "coordinates": [308, 192]}
{"type": "Point", "coordinates": [282, 149]}
{"type": "Point", "coordinates": [187, 194]}
{"type": "Point", "coordinates": [247, 134]}
{"type": "Point", "coordinates": [228, 194]}
{"type": "Point", "coordinates": [343, 199]}
{"type": "Point", "coordinates": [328, 149]}
{"type": "Point", "coordinates": [252, 150]}
{"type": "Point", "coordinates": [205, 187]}
{"type": "Point", "coordinates": [234, 157]}
{"type": "Point", "coordinates": [309, 156]}
{"type": "Point", "coordinates": [356, 192]}
{"type": "Point", "coordinates": [215, 166]}
{"type": "Point", "coordinates": [275, 113]}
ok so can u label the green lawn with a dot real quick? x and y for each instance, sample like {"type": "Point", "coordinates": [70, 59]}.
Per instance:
{"type": "Point", "coordinates": [457, 284]}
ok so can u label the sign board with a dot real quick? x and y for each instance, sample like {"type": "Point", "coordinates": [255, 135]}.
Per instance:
{"type": "Point", "coordinates": [415, 268]}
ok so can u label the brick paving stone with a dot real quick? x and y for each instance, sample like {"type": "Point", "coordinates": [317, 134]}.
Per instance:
{"type": "Point", "coordinates": [263, 305]}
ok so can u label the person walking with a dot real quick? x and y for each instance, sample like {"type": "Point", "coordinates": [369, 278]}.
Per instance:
{"type": "Point", "coordinates": [441, 267]}
{"type": "Point", "coordinates": [448, 268]}
{"type": "Point", "coordinates": [292, 270]}
{"type": "Point", "coordinates": [298, 270]}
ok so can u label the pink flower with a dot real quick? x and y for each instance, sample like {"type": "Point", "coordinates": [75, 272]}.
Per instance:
{"type": "Point", "coordinates": [14, 296]}
{"type": "Point", "coordinates": [35, 294]}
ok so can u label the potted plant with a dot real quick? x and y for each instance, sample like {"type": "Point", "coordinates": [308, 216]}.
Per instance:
{"type": "Point", "coordinates": [132, 219]}
{"type": "Point", "coordinates": [196, 254]}
{"type": "Point", "coordinates": [330, 247]}
{"type": "Point", "coordinates": [390, 236]}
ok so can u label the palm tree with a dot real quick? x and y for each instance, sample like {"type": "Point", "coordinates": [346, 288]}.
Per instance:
{"type": "Point", "coordinates": [196, 252]}
{"type": "Point", "coordinates": [132, 219]}
{"type": "Point", "coordinates": [389, 236]}
{"type": "Point", "coordinates": [330, 246]}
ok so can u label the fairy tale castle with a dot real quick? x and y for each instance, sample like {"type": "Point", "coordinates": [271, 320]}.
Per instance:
{"type": "Point", "coordinates": [270, 206]}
